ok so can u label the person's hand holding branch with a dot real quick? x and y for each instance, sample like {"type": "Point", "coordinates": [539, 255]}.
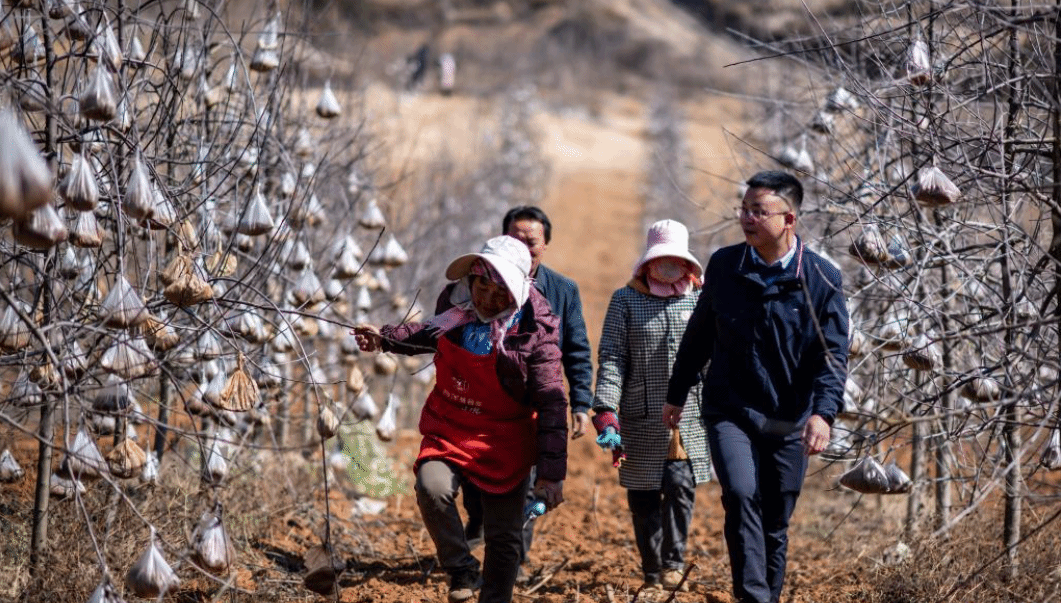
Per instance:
{"type": "Point", "coordinates": [367, 337]}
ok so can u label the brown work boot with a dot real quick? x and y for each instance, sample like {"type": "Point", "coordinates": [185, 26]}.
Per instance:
{"type": "Point", "coordinates": [651, 582]}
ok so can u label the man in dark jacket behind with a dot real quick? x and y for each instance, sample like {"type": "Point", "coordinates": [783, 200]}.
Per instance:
{"type": "Point", "coordinates": [532, 226]}
{"type": "Point", "coordinates": [773, 323]}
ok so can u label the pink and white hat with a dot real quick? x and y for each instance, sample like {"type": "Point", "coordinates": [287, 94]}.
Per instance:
{"type": "Point", "coordinates": [667, 238]}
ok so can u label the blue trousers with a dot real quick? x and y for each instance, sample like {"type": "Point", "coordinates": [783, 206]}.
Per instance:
{"type": "Point", "coordinates": [760, 477]}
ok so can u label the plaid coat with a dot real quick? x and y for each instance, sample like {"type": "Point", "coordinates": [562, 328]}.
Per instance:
{"type": "Point", "coordinates": [637, 348]}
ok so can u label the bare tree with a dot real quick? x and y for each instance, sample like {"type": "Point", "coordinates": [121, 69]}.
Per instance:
{"type": "Point", "coordinates": [195, 260]}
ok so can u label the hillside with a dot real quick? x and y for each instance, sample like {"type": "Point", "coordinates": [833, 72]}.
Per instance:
{"type": "Point", "coordinates": [595, 68]}
{"type": "Point", "coordinates": [566, 47]}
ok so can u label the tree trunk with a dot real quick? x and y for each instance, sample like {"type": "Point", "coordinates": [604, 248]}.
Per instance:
{"type": "Point", "coordinates": [46, 428]}
{"type": "Point", "coordinates": [159, 445]}
{"type": "Point", "coordinates": [39, 541]}
{"type": "Point", "coordinates": [944, 489]}
{"type": "Point", "coordinates": [917, 464]}
{"type": "Point", "coordinates": [1055, 193]}
{"type": "Point", "coordinates": [1011, 529]}
{"type": "Point", "coordinates": [283, 413]}
{"type": "Point", "coordinates": [309, 415]}
{"type": "Point", "coordinates": [944, 500]}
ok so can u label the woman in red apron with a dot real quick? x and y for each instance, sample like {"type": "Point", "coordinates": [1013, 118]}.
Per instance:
{"type": "Point", "coordinates": [498, 407]}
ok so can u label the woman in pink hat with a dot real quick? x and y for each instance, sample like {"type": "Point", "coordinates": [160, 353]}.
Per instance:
{"type": "Point", "coordinates": [659, 467]}
{"type": "Point", "coordinates": [498, 407]}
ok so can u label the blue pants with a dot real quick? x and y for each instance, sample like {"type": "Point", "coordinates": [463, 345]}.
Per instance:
{"type": "Point", "coordinates": [761, 477]}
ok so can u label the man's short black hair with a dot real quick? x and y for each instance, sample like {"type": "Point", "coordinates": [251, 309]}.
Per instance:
{"type": "Point", "coordinates": [528, 212]}
{"type": "Point", "coordinates": [784, 184]}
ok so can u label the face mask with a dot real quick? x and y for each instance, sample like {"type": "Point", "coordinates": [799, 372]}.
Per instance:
{"type": "Point", "coordinates": [667, 270]}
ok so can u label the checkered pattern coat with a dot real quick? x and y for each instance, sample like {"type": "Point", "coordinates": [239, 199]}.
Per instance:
{"type": "Point", "coordinates": [637, 348]}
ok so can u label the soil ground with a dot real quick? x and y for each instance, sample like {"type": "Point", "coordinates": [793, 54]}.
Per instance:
{"type": "Point", "coordinates": [584, 549]}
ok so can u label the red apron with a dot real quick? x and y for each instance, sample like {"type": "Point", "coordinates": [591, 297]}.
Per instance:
{"type": "Point", "coordinates": [470, 421]}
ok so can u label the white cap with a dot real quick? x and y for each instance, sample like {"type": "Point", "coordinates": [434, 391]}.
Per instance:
{"type": "Point", "coordinates": [508, 256]}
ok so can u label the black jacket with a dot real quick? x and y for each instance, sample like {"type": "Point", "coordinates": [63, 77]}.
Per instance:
{"type": "Point", "coordinates": [563, 296]}
{"type": "Point", "coordinates": [777, 351]}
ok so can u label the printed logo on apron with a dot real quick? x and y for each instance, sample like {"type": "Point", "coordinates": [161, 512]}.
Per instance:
{"type": "Point", "coordinates": [470, 421]}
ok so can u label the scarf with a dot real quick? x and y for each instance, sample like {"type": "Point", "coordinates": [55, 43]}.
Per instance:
{"type": "Point", "coordinates": [477, 337]}
{"type": "Point", "coordinates": [463, 312]}
{"type": "Point", "coordinates": [676, 289]}
{"type": "Point", "coordinates": [672, 287]}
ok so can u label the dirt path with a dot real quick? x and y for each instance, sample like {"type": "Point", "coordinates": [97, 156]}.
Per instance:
{"type": "Point", "coordinates": [595, 194]}
{"type": "Point", "coordinates": [596, 173]}
{"type": "Point", "coordinates": [594, 199]}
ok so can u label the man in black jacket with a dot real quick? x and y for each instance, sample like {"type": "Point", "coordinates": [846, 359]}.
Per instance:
{"type": "Point", "coordinates": [530, 225]}
{"type": "Point", "coordinates": [773, 323]}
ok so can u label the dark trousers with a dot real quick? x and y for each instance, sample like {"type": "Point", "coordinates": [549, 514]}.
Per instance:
{"type": "Point", "coordinates": [474, 506]}
{"type": "Point", "coordinates": [760, 478]}
{"type": "Point", "coordinates": [661, 519]}
{"type": "Point", "coordinates": [437, 484]}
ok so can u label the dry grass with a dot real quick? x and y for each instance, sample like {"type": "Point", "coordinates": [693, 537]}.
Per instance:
{"type": "Point", "coordinates": [967, 565]}
{"type": "Point", "coordinates": [272, 513]}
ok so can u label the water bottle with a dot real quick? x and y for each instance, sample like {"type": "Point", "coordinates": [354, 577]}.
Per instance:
{"type": "Point", "coordinates": [534, 509]}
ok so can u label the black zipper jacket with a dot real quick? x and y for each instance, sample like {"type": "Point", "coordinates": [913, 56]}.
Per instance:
{"type": "Point", "coordinates": [774, 341]}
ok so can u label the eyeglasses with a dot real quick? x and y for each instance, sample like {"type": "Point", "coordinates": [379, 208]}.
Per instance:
{"type": "Point", "coordinates": [757, 214]}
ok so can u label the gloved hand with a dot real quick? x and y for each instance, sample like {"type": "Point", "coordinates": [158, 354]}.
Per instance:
{"type": "Point", "coordinates": [606, 422]}
{"type": "Point", "coordinates": [608, 438]}
{"type": "Point", "coordinates": [534, 509]}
